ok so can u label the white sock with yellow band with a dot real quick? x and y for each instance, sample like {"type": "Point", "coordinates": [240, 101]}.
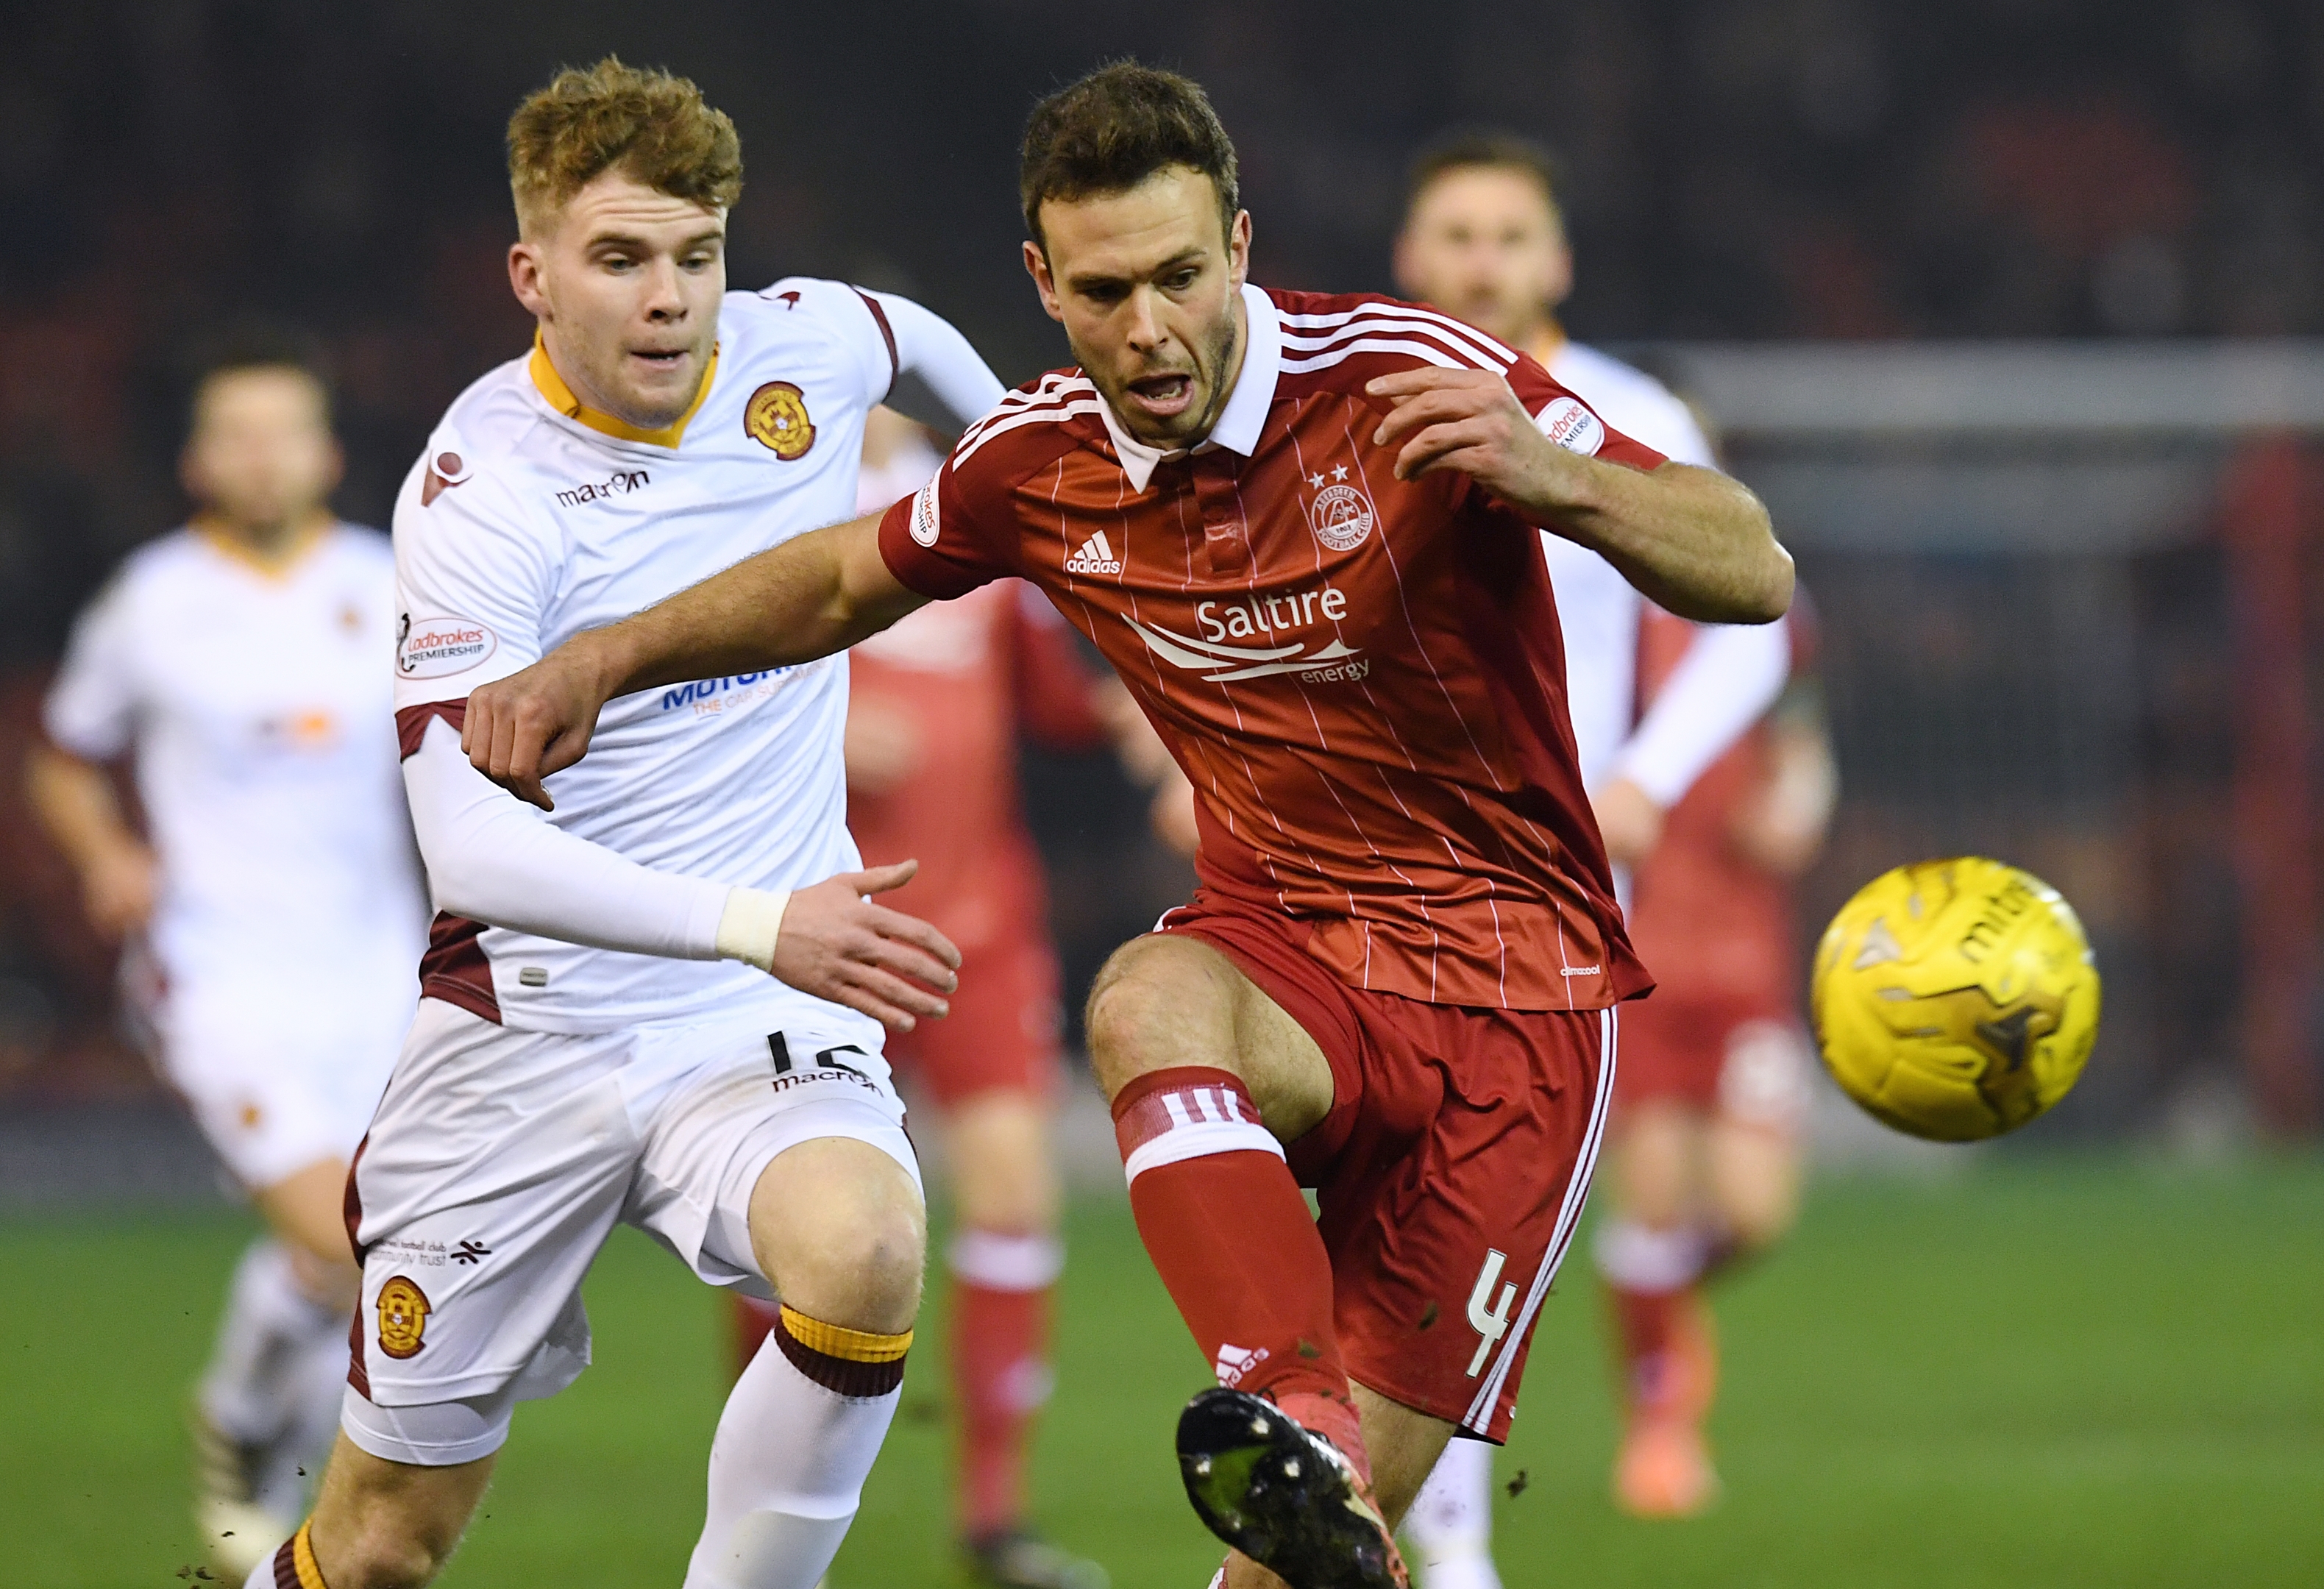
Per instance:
{"type": "Point", "coordinates": [750, 924]}
{"type": "Point", "coordinates": [794, 1446]}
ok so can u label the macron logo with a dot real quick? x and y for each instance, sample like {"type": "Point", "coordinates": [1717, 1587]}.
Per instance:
{"type": "Point", "coordinates": [1096, 556]}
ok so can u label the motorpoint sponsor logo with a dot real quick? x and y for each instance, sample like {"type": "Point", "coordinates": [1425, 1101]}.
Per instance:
{"type": "Point", "coordinates": [1571, 424]}
{"type": "Point", "coordinates": [711, 698]}
{"type": "Point", "coordinates": [433, 648]}
{"type": "Point", "coordinates": [619, 483]}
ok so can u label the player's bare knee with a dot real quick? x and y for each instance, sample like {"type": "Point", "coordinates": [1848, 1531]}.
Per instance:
{"type": "Point", "coordinates": [1760, 1221]}
{"type": "Point", "coordinates": [858, 1263]}
{"type": "Point", "coordinates": [1157, 1002]}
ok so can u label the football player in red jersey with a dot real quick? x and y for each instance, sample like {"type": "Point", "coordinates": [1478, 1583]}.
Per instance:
{"type": "Point", "coordinates": [1304, 529]}
{"type": "Point", "coordinates": [936, 706]}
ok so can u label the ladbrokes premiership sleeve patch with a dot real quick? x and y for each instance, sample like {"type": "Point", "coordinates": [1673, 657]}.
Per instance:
{"type": "Point", "coordinates": [437, 648]}
{"type": "Point", "coordinates": [932, 547]}
{"type": "Point", "coordinates": [926, 511]}
{"type": "Point", "coordinates": [1570, 423]}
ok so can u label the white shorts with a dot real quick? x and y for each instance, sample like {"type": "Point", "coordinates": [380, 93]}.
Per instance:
{"type": "Point", "coordinates": [278, 1077]}
{"type": "Point", "coordinates": [500, 1161]}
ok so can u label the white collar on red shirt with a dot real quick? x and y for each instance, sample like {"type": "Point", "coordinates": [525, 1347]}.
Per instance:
{"type": "Point", "coordinates": [1245, 415]}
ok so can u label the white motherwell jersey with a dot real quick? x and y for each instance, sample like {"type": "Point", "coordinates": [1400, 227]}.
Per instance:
{"type": "Point", "coordinates": [1597, 609]}
{"type": "Point", "coordinates": [523, 525]}
{"type": "Point", "coordinates": [258, 709]}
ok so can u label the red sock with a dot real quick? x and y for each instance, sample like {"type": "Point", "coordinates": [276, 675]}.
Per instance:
{"type": "Point", "coordinates": [1643, 1326]}
{"type": "Point", "coordinates": [1229, 1232]}
{"type": "Point", "coordinates": [1001, 1285]}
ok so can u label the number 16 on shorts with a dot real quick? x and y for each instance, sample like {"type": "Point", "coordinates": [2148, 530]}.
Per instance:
{"type": "Point", "coordinates": [1488, 1317]}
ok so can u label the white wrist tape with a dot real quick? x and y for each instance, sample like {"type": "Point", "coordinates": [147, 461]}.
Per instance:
{"type": "Point", "coordinates": [748, 926]}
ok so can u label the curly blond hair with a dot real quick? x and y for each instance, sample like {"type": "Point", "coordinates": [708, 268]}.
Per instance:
{"type": "Point", "coordinates": [657, 128]}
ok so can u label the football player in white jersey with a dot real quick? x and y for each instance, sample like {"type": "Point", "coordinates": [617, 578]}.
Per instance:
{"type": "Point", "coordinates": [1483, 239]}
{"type": "Point", "coordinates": [273, 916]}
{"type": "Point", "coordinates": [662, 1001]}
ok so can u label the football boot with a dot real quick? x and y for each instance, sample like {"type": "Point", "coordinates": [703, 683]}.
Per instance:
{"type": "Point", "coordinates": [1284, 1495]}
{"type": "Point", "coordinates": [238, 1531]}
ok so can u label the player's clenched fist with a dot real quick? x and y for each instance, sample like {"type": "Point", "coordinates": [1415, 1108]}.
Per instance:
{"type": "Point", "coordinates": [1465, 419]}
{"type": "Point", "coordinates": [521, 729]}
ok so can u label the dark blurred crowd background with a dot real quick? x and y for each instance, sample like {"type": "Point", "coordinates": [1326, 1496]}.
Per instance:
{"type": "Point", "coordinates": [1733, 169]}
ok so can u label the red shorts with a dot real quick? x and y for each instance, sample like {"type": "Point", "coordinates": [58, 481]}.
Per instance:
{"type": "Point", "coordinates": [1723, 1057]}
{"type": "Point", "coordinates": [1002, 1034]}
{"type": "Point", "coordinates": [1450, 1172]}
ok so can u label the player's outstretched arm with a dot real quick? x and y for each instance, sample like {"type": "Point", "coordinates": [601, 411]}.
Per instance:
{"type": "Point", "coordinates": [1694, 541]}
{"type": "Point", "coordinates": [810, 596]}
{"type": "Point", "coordinates": [490, 859]}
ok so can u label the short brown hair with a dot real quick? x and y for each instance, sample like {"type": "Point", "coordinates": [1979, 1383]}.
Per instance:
{"type": "Point", "coordinates": [656, 128]}
{"type": "Point", "coordinates": [1471, 147]}
{"type": "Point", "coordinates": [245, 345]}
{"type": "Point", "coordinates": [1115, 128]}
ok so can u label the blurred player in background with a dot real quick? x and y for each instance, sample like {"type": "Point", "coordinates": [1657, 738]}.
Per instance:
{"type": "Point", "coordinates": [934, 708]}
{"type": "Point", "coordinates": [1658, 707]}
{"type": "Point", "coordinates": [273, 922]}
{"type": "Point", "coordinates": [1715, 1096]}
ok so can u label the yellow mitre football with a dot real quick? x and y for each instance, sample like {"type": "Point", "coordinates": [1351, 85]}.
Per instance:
{"type": "Point", "coordinates": [1955, 1000]}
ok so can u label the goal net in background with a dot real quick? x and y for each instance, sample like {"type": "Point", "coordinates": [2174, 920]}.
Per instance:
{"type": "Point", "coordinates": [2070, 614]}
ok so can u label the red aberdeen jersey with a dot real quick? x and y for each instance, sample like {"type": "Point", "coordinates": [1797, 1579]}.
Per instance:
{"type": "Point", "coordinates": [1363, 677]}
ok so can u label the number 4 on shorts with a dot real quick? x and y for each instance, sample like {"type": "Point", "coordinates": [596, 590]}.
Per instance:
{"type": "Point", "coordinates": [1486, 1318]}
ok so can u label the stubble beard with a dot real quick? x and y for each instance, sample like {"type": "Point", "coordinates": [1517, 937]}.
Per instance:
{"type": "Point", "coordinates": [1191, 427]}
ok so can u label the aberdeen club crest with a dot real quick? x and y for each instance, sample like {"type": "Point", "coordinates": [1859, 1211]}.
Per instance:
{"type": "Point", "coordinates": [1341, 514]}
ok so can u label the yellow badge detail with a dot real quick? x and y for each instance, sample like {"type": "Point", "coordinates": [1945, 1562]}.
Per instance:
{"type": "Point", "coordinates": [776, 418]}
{"type": "Point", "coordinates": [403, 1312]}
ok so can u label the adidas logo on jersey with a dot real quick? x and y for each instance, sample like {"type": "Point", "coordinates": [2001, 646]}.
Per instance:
{"type": "Point", "coordinates": [1234, 1362]}
{"type": "Point", "coordinates": [1096, 556]}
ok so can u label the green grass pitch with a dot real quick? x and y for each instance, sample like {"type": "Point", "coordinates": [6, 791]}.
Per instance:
{"type": "Point", "coordinates": [2048, 1373]}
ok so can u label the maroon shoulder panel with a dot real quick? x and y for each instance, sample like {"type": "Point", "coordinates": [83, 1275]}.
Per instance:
{"type": "Point", "coordinates": [895, 363]}
{"type": "Point", "coordinates": [455, 970]}
{"type": "Point", "coordinates": [411, 723]}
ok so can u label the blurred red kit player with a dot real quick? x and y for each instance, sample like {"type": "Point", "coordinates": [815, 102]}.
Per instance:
{"type": "Point", "coordinates": [937, 708]}
{"type": "Point", "coordinates": [1713, 1090]}
{"type": "Point", "coordinates": [1710, 906]}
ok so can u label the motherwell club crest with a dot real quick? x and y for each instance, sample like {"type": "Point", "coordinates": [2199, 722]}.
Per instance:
{"type": "Point", "coordinates": [776, 418]}
{"type": "Point", "coordinates": [403, 1313]}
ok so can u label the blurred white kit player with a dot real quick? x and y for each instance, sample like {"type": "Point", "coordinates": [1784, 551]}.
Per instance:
{"type": "Point", "coordinates": [1468, 255]}
{"type": "Point", "coordinates": [1731, 676]}
{"type": "Point", "coordinates": [285, 933]}
{"type": "Point", "coordinates": [1732, 673]}
{"type": "Point", "coordinates": [583, 1055]}
{"type": "Point", "coordinates": [275, 974]}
